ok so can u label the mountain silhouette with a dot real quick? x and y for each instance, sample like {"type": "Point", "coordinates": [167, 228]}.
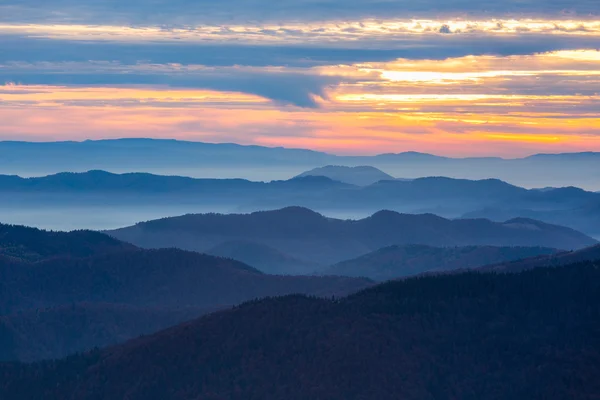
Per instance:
{"type": "Point", "coordinates": [33, 244]}
{"type": "Point", "coordinates": [532, 335]}
{"type": "Point", "coordinates": [67, 292]}
{"type": "Point", "coordinates": [172, 157]}
{"type": "Point", "coordinates": [585, 217]}
{"type": "Point", "coordinates": [402, 261]}
{"type": "Point", "coordinates": [101, 191]}
{"type": "Point", "coordinates": [359, 176]}
{"type": "Point", "coordinates": [307, 235]}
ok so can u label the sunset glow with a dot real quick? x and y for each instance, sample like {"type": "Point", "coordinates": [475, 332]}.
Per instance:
{"type": "Point", "coordinates": [474, 84]}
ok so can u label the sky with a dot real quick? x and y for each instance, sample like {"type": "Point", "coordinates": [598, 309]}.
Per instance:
{"type": "Point", "coordinates": [449, 77]}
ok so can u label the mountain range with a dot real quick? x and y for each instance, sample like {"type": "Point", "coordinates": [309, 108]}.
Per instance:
{"type": "Point", "coordinates": [128, 198]}
{"type": "Point", "coordinates": [63, 293]}
{"type": "Point", "coordinates": [307, 235]}
{"type": "Point", "coordinates": [67, 292]}
{"type": "Point", "coordinates": [529, 335]}
{"type": "Point", "coordinates": [171, 157]}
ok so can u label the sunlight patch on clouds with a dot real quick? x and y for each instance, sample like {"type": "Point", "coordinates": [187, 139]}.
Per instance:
{"type": "Point", "coordinates": [331, 130]}
{"type": "Point", "coordinates": [523, 104]}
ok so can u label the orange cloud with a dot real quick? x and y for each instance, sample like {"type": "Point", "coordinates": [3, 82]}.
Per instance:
{"type": "Point", "coordinates": [486, 105]}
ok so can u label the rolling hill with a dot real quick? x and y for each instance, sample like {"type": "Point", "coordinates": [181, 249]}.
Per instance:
{"type": "Point", "coordinates": [585, 218]}
{"type": "Point", "coordinates": [531, 335]}
{"type": "Point", "coordinates": [67, 292]}
{"type": "Point", "coordinates": [79, 197]}
{"type": "Point", "coordinates": [172, 157]}
{"type": "Point", "coordinates": [359, 176]}
{"type": "Point", "coordinates": [401, 261]}
{"type": "Point", "coordinates": [31, 244]}
{"type": "Point", "coordinates": [307, 235]}
{"type": "Point", "coordinates": [50, 333]}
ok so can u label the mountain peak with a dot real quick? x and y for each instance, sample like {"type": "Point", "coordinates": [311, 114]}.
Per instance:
{"type": "Point", "coordinates": [362, 175]}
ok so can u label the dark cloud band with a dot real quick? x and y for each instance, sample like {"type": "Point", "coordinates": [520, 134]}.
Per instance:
{"type": "Point", "coordinates": [182, 12]}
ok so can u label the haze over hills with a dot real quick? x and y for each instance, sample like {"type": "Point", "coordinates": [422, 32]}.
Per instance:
{"type": "Point", "coordinates": [532, 335]}
{"type": "Point", "coordinates": [101, 200]}
{"type": "Point", "coordinates": [198, 159]}
{"type": "Point", "coordinates": [305, 234]}
{"type": "Point", "coordinates": [299, 200]}
{"type": "Point", "coordinates": [400, 261]}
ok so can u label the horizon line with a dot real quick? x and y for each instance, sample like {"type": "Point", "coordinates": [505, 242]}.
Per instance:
{"type": "Point", "coordinates": [407, 152]}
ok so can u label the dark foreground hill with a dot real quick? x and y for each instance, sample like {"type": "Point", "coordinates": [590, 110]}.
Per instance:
{"type": "Point", "coordinates": [585, 218]}
{"type": "Point", "coordinates": [532, 335]}
{"type": "Point", "coordinates": [68, 200]}
{"type": "Point", "coordinates": [307, 235]}
{"type": "Point", "coordinates": [44, 334]}
{"type": "Point", "coordinates": [401, 261]}
{"type": "Point", "coordinates": [88, 289]}
{"type": "Point", "coordinates": [562, 258]}
{"type": "Point", "coordinates": [31, 244]}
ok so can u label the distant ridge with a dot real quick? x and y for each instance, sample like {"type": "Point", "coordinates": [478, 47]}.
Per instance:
{"type": "Point", "coordinates": [305, 234]}
{"type": "Point", "coordinates": [531, 335]}
{"type": "Point", "coordinates": [66, 292]}
{"type": "Point", "coordinates": [275, 163]}
{"type": "Point", "coordinates": [149, 142]}
{"type": "Point", "coordinates": [448, 197]}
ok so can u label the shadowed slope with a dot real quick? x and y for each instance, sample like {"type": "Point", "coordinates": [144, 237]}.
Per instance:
{"type": "Point", "coordinates": [154, 278]}
{"type": "Point", "coordinates": [57, 332]}
{"type": "Point", "coordinates": [531, 335]}
{"type": "Point", "coordinates": [401, 261]}
{"type": "Point", "coordinates": [563, 258]}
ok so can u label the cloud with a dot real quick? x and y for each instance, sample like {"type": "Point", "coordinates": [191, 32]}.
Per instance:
{"type": "Point", "coordinates": [299, 88]}
{"type": "Point", "coordinates": [185, 12]}
{"type": "Point", "coordinates": [14, 48]}
{"type": "Point", "coordinates": [445, 29]}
